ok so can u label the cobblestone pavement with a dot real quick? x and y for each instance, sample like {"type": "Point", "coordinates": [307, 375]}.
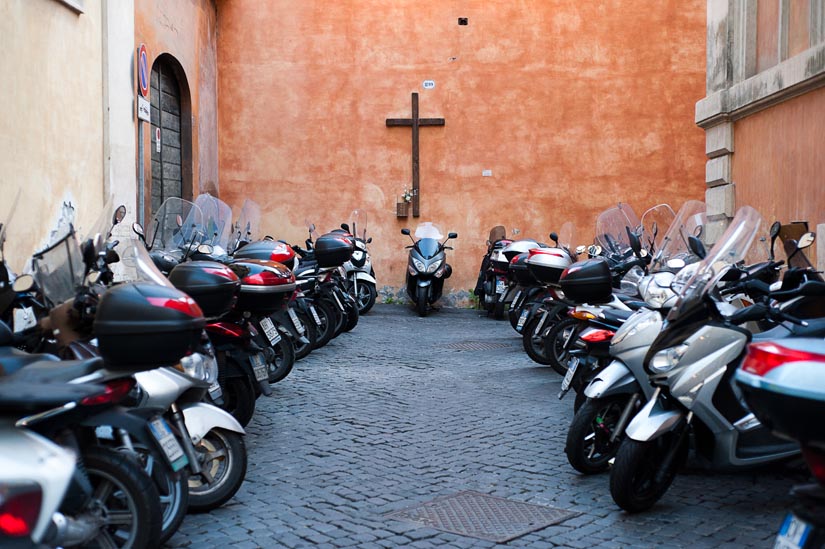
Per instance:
{"type": "Point", "coordinates": [401, 411]}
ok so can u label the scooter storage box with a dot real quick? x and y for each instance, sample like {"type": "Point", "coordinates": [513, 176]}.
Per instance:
{"type": "Point", "coordinates": [547, 264]}
{"type": "Point", "coordinates": [141, 326]}
{"type": "Point", "coordinates": [519, 247]}
{"type": "Point", "coordinates": [212, 285]}
{"type": "Point", "coordinates": [265, 285]}
{"type": "Point", "coordinates": [520, 269]}
{"type": "Point", "coordinates": [333, 249]}
{"type": "Point", "coordinates": [500, 262]}
{"type": "Point", "coordinates": [588, 281]}
{"type": "Point", "coordinates": [271, 250]}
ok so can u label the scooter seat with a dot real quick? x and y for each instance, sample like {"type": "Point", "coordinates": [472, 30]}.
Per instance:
{"type": "Point", "coordinates": [616, 316]}
{"type": "Point", "coordinates": [12, 360]}
{"type": "Point", "coordinates": [815, 328]}
{"type": "Point", "coordinates": [62, 371]}
{"type": "Point", "coordinates": [631, 301]}
{"type": "Point", "coordinates": [19, 397]}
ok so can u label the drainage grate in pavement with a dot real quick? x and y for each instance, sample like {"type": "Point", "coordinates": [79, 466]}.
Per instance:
{"type": "Point", "coordinates": [477, 345]}
{"type": "Point", "coordinates": [484, 517]}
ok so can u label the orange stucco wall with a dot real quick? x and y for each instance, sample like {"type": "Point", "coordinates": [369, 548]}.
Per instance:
{"type": "Point", "coordinates": [778, 165]}
{"type": "Point", "coordinates": [186, 30]}
{"type": "Point", "coordinates": [572, 105]}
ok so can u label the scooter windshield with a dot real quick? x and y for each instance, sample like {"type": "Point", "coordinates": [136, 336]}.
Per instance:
{"type": "Point", "coordinates": [177, 224]}
{"type": "Point", "coordinates": [359, 224]}
{"type": "Point", "coordinates": [217, 217]}
{"type": "Point", "coordinates": [673, 252]}
{"type": "Point", "coordinates": [428, 247]}
{"type": "Point", "coordinates": [656, 222]}
{"type": "Point", "coordinates": [611, 229]}
{"type": "Point", "coordinates": [247, 227]}
{"type": "Point", "coordinates": [567, 236]}
{"type": "Point", "coordinates": [731, 248]}
{"type": "Point", "coordinates": [137, 265]}
{"type": "Point", "coordinates": [428, 230]}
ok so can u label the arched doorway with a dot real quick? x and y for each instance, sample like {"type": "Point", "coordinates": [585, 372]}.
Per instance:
{"type": "Point", "coordinates": [171, 132]}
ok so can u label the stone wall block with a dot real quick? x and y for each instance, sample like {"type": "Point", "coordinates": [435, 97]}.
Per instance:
{"type": "Point", "coordinates": [719, 140]}
{"type": "Point", "coordinates": [720, 201]}
{"type": "Point", "coordinates": [718, 171]}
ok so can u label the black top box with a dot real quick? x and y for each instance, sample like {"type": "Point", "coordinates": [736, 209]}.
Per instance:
{"type": "Point", "coordinates": [212, 285]}
{"type": "Point", "coordinates": [333, 249]}
{"type": "Point", "coordinates": [588, 282]}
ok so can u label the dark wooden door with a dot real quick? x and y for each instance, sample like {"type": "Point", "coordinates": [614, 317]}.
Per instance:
{"type": "Point", "coordinates": [167, 180]}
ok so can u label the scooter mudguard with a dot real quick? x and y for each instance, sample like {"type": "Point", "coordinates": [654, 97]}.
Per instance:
{"type": "Point", "coordinates": [653, 421]}
{"type": "Point", "coordinates": [200, 418]}
{"type": "Point", "coordinates": [423, 283]}
{"type": "Point", "coordinates": [616, 379]}
{"type": "Point", "coordinates": [365, 277]}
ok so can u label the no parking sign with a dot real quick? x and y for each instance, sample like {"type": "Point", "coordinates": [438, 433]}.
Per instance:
{"type": "Point", "coordinates": [143, 71]}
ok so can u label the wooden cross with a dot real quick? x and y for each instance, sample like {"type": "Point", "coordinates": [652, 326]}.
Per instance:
{"type": "Point", "coordinates": [415, 123]}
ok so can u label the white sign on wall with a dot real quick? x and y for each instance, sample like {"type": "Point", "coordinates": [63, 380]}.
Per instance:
{"type": "Point", "coordinates": [429, 84]}
{"type": "Point", "coordinates": [157, 139]}
{"type": "Point", "coordinates": [144, 109]}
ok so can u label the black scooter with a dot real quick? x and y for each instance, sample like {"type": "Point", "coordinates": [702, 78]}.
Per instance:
{"type": "Point", "coordinates": [427, 267]}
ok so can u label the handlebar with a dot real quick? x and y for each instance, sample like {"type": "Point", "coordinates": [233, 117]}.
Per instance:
{"type": "Point", "coordinates": [761, 311]}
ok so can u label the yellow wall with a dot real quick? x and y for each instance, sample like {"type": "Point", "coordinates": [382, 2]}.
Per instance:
{"type": "Point", "coordinates": [50, 117]}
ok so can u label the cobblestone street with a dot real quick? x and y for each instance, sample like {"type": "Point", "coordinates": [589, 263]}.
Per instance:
{"type": "Point", "coordinates": [404, 410]}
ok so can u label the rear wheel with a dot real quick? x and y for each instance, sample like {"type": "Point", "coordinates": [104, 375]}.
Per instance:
{"type": "Point", "coordinates": [555, 341]}
{"type": "Point", "coordinates": [222, 455]}
{"type": "Point", "coordinates": [284, 360]}
{"type": "Point", "coordinates": [326, 329]}
{"type": "Point", "coordinates": [588, 445]}
{"type": "Point", "coordinates": [172, 489]}
{"type": "Point", "coordinates": [123, 498]}
{"type": "Point", "coordinates": [532, 342]}
{"type": "Point", "coordinates": [352, 314]}
{"type": "Point", "coordinates": [498, 307]}
{"type": "Point", "coordinates": [239, 398]}
{"type": "Point", "coordinates": [421, 304]}
{"type": "Point", "coordinates": [310, 333]}
{"type": "Point", "coordinates": [639, 478]}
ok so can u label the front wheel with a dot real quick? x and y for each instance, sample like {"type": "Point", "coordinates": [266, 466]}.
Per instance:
{"type": "Point", "coordinates": [557, 343]}
{"type": "Point", "coordinates": [532, 342]}
{"type": "Point", "coordinates": [365, 296]}
{"type": "Point", "coordinates": [310, 333]}
{"type": "Point", "coordinates": [172, 489]}
{"type": "Point", "coordinates": [352, 315]}
{"type": "Point", "coordinates": [222, 456]}
{"type": "Point", "coordinates": [239, 398]}
{"type": "Point", "coordinates": [421, 304]}
{"type": "Point", "coordinates": [588, 445]}
{"type": "Point", "coordinates": [124, 500]}
{"type": "Point", "coordinates": [638, 478]}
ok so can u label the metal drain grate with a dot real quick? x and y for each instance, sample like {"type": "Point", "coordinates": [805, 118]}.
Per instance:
{"type": "Point", "coordinates": [477, 345]}
{"type": "Point", "coordinates": [484, 517]}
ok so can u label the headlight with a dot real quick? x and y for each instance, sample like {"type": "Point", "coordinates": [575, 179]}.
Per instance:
{"type": "Point", "coordinates": [193, 366]}
{"type": "Point", "coordinates": [635, 325]}
{"type": "Point", "coordinates": [419, 265]}
{"type": "Point", "coordinates": [434, 266]}
{"type": "Point", "coordinates": [655, 296]}
{"type": "Point", "coordinates": [682, 278]}
{"type": "Point", "coordinates": [664, 361]}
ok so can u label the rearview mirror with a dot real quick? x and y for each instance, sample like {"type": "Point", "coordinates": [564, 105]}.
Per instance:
{"type": "Point", "coordinates": [775, 228]}
{"type": "Point", "coordinates": [405, 231]}
{"type": "Point", "coordinates": [635, 243]}
{"type": "Point", "coordinates": [697, 247]}
{"type": "Point", "coordinates": [179, 220]}
{"type": "Point", "coordinates": [806, 240]}
{"type": "Point", "coordinates": [119, 214]}
{"type": "Point", "coordinates": [555, 238]}
{"type": "Point", "coordinates": [205, 249]}
{"type": "Point", "coordinates": [23, 283]}
{"type": "Point", "coordinates": [345, 227]}
{"type": "Point", "coordinates": [452, 235]}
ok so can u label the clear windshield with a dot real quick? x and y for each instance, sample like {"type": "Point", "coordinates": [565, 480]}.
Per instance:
{"type": "Point", "coordinates": [567, 236]}
{"type": "Point", "coordinates": [6, 216]}
{"type": "Point", "coordinates": [359, 223]}
{"type": "Point", "coordinates": [428, 230]}
{"type": "Point", "coordinates": [247, 227]}
{"type": "Point", "coordinates": [673, 252]}
{"type": "Point", "coordinates": [656, 222]}
{"type": "Point", "coordinates": [611, 229]}
{"type": "Point", "coordinates": [59, 269]}
{"type": "Point", "coordinates": [217, 217]}
{"type": "Point", "coordinates": [177, 224]}
{"type": "Point", "coordinates": [497, 233]}
{"type": "Point", "coordinates": [137, 266]}
{"type": "Point", "coordinates": [731, 248]}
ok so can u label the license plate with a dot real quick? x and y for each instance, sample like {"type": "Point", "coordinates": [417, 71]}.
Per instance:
{"type": "Point", "coordinates": [295, 322]}
{"type": "Point", "coordinates": [515, 299]}
{"type": "Point", "coordinates": [315, 315]}
{"type": "Point", "coordinates": [540, 324]}
{"type": "Point", "coordinates": [259, 367]}
{"type": "Point", "coordinates": [338, 302]}
{"type": "Point", "coordinates": [793, 533]}
{"type": "Point", "coordinates": [523, 318]}
{"type": "Point", "coordinates": [571, 371]}
{"type": "Point", "coordinates": [501, 286]}
{"type": "Point", "coordinates": [270, 331]}
{"type": "Point", "coordinates": [215, 390]}
{"type": "Point", "coordinates": [168, 443]}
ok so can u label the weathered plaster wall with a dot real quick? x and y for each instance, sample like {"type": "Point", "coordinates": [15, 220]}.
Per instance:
{"type": "Point", "coordinates": [51, 127]}
{"type": "Point", "coordinates": [778, 163]}
{"type": "Point", "coordinates": [187, 31]}
{"type": "Point", "coordinates": [572, 105]}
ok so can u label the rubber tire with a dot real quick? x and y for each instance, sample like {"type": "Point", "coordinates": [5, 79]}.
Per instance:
{"type": "Point", "coordinates": [352, 316]}
{"type": "Point", "coordinates": [339, 316]}
{"type": "Point", "coordinates": [173, 486]}
{"type": "Point", "coordinates": [324, 333]}
{"type": "Point", "coordinates": [371, 295]}
{"type": "Point", "coordinates": [514, 313]}
{"type": "Point", "coordinates": [639, 459]}
{"type": "Point", "coordinates": [534, 346]}
{"type": "Point", "coordinates": [556, 359]}
{"type": "Point", "coordinates": [310, 332]}
{"type": "Point", "coordinates": [135, 484]}
{"type": "Point", "coordinates": [421, 305]}
{"type": "Point", "coordinates": [233, 477]}
{"type": "Point", "coordinates": [584, 424]}
{"type": "Point", "coordinates": [285, 354]}
{"type": "Point", "coordinates": [498, 307]}
{"type": "Point", "coordinates": [239, 398]}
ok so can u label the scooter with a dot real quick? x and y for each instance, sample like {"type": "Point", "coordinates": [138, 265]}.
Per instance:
{"type": "Point", "coordinates": [427, 267]}
{"type": "Point", "coordinates": [360, 276]}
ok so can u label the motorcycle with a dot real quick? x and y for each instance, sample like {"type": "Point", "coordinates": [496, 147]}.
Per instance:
{"type": "Point", "coordinates": [360, 276]}
{"type": "Point", "coordinates": [427, 267]}
{"type": "Point", "coordinates": [488, 273]}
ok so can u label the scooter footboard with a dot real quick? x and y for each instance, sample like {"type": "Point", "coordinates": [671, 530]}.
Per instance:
{"type": "Point", "coordinates": [200, 418]}
{"type": "Point", "coordinates": [652, 421]}
{"type": "Point", "coordinates": [616, 379]}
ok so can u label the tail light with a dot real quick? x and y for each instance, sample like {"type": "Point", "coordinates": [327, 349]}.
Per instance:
{"type": "Point", "coordinates": [19, 509]}
{"type": "Point", "coordinates": [114, 393]}
{"type": "Point", "coordinates": [581, 315]}
{"type": "Point", "coordinates": [264, 278]}
{"type": "Point", "coordinates": [225, 329]}
{"type": "Point", "coordinates": [816, 461]}
{"type": "Point", "coordinates": [764, 357]}
{"type": "Point", "coordinates": [185, 305]}
{"type": "Point", "coordinates": [598, 336]}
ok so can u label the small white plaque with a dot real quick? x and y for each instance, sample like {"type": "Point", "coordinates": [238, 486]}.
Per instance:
{"type": "Point", "coordinates": [157, 139]}
{"type": "Point", "coordinates": [429, 84]}
{"type": "Point", "coordinates": [144, 109]}
{"type": "Point", "coordinates": [487, 173]}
